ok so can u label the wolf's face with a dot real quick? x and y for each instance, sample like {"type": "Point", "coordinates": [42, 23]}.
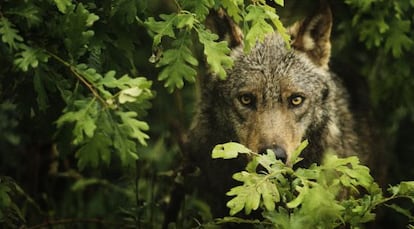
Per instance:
{"type": "Point", "coordinates": [276, 97]}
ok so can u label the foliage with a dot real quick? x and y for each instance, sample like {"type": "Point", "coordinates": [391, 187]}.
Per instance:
{"type": "Point", "coordinates": [95, 97]}
{"type": "Point", "coordinates": [338, 192]}
{"type": "Point", "coordinates": [178, 61]}
{"type": "Point", "coordinates": [385, 28]}
{"type": "Point", "coordinates": [108, 100]}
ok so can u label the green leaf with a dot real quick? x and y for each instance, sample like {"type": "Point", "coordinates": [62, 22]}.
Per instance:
{"type": "Point", "coordinates": [252, 203]}
{"type": "Point", "coordinates": [274, 18]}
{"type": "Point", "coordinates": [29, 12]}
{"type": "Point", "coordinates": [109, 80]}
{"type": "Point", "coordinates": [233, 8]}
{"type": "Point", "coordinates": [246, 197]}
{"type": "Point", "coordinates": [185, 20]}
{"type": "Point", "coordinates": [262, 19]}
{"type": "Point", "coordinates": [77, 35]}
{"type": "Point", "coordinates": [259, 28]}
{"type": "Point", "coordinates": [84, 118]}
{"type": "Point", "coordinates": [127, 10]}
{"type": "Point", "coordinates": [134, 90]}
{"type": "Point", "coordinates": [217, 53]}
{"type": "Point", "coordinates": [178, 64]}
{"type": "Point", "coordinates": [280, 218]}
{"type": "Point", "coordinates": [63, 5]}
{"type": "Point", "coordinates": [95, 150]}
{"type": "Point", "coordinates": [9, 34]}
{"type": "Point", "coordinates": [129, 95]}
{"type": "Point", "coordinates": [133, 127]}
{"type": "Point", "coordinates": [30, 57]}
{"type": "Point", "coordinates": [279, 2]}
{"type": "Point", "coordinates": [126, 148]}
{"type": "Point", "coordinates": [251, 166]}
{"type": "Point", "coordinates": [355, 174]}
{"type": "Point", "coordinates": [311, 173]}
{"type": "Point", "coordinates": [270, 195]}
{"type": "Point", "coordinates": [405, 188]}
{"type": "Point", "coordinates": [295, 155]}
{"type": "Point", "coordinates": [89, 74]}
{"type": "Point", "coordinates": [257, 188]}
{"type": "Point", "coordinates": [303, 191]}
{"type": "Point", "coordinates": [267, 159]}
{"type": "Point", "coordinates": [229, 150]}
{"type": "Point", "coordinates": [162, 28]}
{"type": "Point", "coordinates": [399, 38]}
{"type": "Point", "coordinates": [320, 208]}
{"type": "Point", "coordinates": [200, 8]}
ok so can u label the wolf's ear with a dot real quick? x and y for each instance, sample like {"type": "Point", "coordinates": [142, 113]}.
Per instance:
{"type": "Point", "coordinates": [312, 36]}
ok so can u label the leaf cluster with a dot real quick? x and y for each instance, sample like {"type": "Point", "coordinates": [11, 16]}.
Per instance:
{"type": "Point", "coordinates": [384, 29]}
{"type": "Point", "coordinates": [336, 193]}
{"type": "Point", "coordinates": [186, 25]}
{"type": "Point", "coordinates": [102, 109]}
{"type": "Point", "coordinates": [389, 24]}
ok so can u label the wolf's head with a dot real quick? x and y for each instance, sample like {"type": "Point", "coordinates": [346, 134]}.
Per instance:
{"type": "Point", "coordinates": [275, 97]}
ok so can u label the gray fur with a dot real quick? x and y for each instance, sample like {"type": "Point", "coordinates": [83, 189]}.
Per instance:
{"type": "Point", "coordinates": [272, 73]}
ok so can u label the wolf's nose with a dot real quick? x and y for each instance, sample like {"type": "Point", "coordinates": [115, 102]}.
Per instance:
{"type": "Point", "coordinates": [279, 152]}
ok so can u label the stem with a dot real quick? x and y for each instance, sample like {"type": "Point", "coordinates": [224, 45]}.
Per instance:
{"type": "Point", "coordinates": [71, 221]}
{"type": "Point", "coordinates": [177, 5]}
{"type": "Point", "coordinates": [89, 86]}
{"type": "Point", "coordinates": [79, 76]}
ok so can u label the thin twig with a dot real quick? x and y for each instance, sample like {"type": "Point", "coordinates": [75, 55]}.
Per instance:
{"type": "Point", "coordinates": [90, 87]}
{"type": "Point", "coordinates": [177, 5]}
{"type": "Point", "coordinates": [70, 221]}
{"type": "Point", "coordinates": [79, 76]}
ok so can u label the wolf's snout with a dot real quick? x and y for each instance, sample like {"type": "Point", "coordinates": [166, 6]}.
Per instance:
{"type": "Point", "coordinates": [279, 152]}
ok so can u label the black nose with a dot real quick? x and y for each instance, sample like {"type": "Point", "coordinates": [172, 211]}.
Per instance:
{"type": "Point", "coordinates": [279, 152]}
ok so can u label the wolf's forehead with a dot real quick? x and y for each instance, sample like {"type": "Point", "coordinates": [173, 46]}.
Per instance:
{"type": "Point", "coordinates": [286, 74]}
{"type": "Point", "coordinates": [271, 67]}
{"type": "Point", "coordinates": [286, 68]}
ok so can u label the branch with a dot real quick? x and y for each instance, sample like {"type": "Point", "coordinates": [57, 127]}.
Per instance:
{"type": "Point", "coordinates": [89, 86]}
{"type": "Point", "coordinates": [70, 221]}
{"type": "Point", "coordinates": [79, 76]}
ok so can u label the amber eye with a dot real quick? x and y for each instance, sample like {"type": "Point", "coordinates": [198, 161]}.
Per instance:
{"type": "Point", "coordinates": [296, 100]}
{"type": "Point", "coordinates": [246, 99]}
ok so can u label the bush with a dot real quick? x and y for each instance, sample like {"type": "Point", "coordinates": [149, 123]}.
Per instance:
{"type": "Point", "coordinates": [95, 97]}
{"type": "Point", "coordinates": [336, 193]}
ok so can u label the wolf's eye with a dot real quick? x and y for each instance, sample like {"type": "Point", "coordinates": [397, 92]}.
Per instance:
{"type": "Point", "coordinates": [247, 99]}
{"type": "Point", "coordinates": [296, 100]}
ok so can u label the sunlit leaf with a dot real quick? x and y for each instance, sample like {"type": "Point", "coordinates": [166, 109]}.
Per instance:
{"type": "Point", "coordinates": [162, 28]}
{"type": "Point", "coordinates": [217, 52]}
{"type": "Point", "coordinates": [229, 150]}
{"type": "Point", "coordinates": [233, 8]}
{"type": "Point", "coordinates": [63, 5]}
{"type": "Point", "coordinates": [9, 34]}
{"type": "Point", "coordinates": [84, 119]}
{"type": "Point", "coordinates": [30, 57]}
{"type": "Point", "coordinates": [178, 64]}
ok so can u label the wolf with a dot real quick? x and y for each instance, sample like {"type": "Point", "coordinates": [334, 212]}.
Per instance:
{"type": "Point", "coordinates": [274, 98]}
